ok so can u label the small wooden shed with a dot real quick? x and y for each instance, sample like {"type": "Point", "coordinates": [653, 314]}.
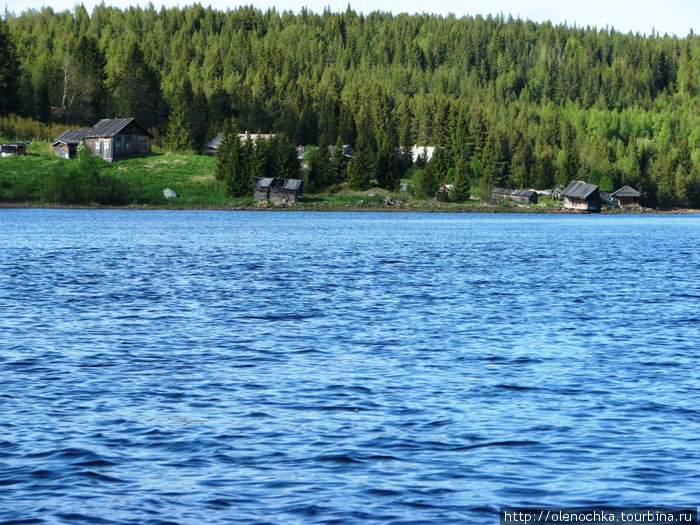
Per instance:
{"type": "Point", "coordinates": [525, 196]}
{"type": "Point", "coordinates": [626, 197]}
{"type": "Point", "coordinates": [581, 196]}
{"type": "Point", "coordinates": [8, 149]}
{"type": "Point", "coordinates": [66, 144]}
{"type": "Point", "coordinates": [286, 191]}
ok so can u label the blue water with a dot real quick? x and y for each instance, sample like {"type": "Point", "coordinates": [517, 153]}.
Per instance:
{"type": "Point", "coordinates": [242, 367]}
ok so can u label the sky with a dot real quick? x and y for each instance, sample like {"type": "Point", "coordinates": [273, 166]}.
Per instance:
{"type": "Point", "coordinates": [673, 17]}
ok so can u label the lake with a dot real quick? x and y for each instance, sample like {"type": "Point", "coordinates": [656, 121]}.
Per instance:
{"type": "Point", "coordinates": [261, 367]}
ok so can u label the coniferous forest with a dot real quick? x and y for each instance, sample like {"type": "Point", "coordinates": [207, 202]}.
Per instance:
{"type": "Point", "coordinates": [506, 102]}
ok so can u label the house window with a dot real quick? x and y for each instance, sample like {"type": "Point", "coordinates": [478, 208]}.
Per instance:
{"type": "Point", "coordinates": [118, 144]}
{"type": "Point", "coordinates": [143, 146]}
{"type": "Point", "coordinates": [127, 144]}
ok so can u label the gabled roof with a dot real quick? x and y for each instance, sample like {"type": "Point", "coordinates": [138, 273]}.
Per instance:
{"type": "Point", "coordinates": [214, 143]}
{"type": "Point", "coordinates": [627, 191]}
{"type": "Point", "coordinates": [111, 127]}
{"type": "Point", "coordinates": [288, 184]}
{"type": "Point", "coordinates": [517, 193]}
{"type": "Point", "coordinates": [579, 190]}
{"type": "Point", "coordinates": [71, 136]}
{"type": "Point", "coordinates": [292, 184]}
{"type": "Point", "coordinates": [265, 182]}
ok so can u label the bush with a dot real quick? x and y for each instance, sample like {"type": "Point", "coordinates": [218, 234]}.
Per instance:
{"type": "Point", "coordinates": [85, 181]}
{"type": "Point", "coordinates": [20, 128]}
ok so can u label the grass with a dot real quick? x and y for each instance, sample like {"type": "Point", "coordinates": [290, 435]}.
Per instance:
{"type": "Point", "coordinates": [192, 178]}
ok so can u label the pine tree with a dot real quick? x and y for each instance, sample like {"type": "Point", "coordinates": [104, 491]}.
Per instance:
{"type": "Point", "coordinates": [85, 77]}
{"type": "Point", "coordinates": [180, 133]}
{"type": "Point", "coordinates": [285, 154]}
{"type": "Point", "coordinates": [318, 169]}
{"type": "Point", "coordinates": [428, 184]}
{"type": "Point", "coordinates": [360, 167]}
{"type": "Point", "coordinates": [9, 71]}
{"type": "Point", "coordinates": [461, 189]}
{"type": "Point", "coordinates": [387, 171]}
{"type": "Point", "coordinates": [229, 141]}
{"type": "Point", "coordinates": [137, 90]}
{"type": "Point", "coordinates": [338, 164]}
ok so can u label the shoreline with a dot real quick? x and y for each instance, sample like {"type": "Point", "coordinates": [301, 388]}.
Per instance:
{"type": "Point", "coordinates": [482, 209]}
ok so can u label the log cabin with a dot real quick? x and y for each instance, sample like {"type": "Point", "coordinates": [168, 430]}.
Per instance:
{"type": "Point", "coordinates": [66, 144]}
{"type": "Point", "coordinates": [118, 138]}
{"type": "Point", "coordinates": [626, 197]}
{"type": "Point", "coordinates": [581, 196]}
{"type": "Point", "coordinates": [286, 191]}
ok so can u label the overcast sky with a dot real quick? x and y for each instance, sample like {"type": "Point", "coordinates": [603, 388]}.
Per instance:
{"type": "Point", "coordinates": [639, 16]}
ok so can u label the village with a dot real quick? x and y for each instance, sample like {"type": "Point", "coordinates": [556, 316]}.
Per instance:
{"type": "Point", "coordinates": [123, 138]}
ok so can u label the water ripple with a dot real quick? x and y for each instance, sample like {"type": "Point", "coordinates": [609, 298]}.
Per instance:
{"type": "Point", "coordinates": [196, 367]}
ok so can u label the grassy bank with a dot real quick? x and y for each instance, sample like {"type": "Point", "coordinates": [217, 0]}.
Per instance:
{"type": "Point", "coordinates": [28, 181]}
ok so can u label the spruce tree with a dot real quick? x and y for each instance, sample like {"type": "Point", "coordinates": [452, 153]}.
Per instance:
{"type": "Point", "coordinates": [387, 171]}
{"type": "Point", "coordinates": [236, 178]}
{"type": "Point", "coordinates": [428, 183]}
{"type": "Point", "coordinates": [338, 164]}
{"type": "Point", "coordinates": [285, 155]}
{"type": "Point", "coordinates": [228, 153]}
{"type": "Point", "coordinates": [360, 167]}
{"type": "Point", "coordinates": [461, 188]}
{"type": "Point", "coordinates": [180, 133]}
{"type": "Point", "coordinates": [137, 90]}
{"type": "Point", "coordinates": [9, 71]}
{"type": "Point", "coordinates": [318, 169]}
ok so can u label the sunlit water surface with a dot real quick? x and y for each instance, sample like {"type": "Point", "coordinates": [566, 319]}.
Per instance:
{"type": "Point", "coordinates": [225, 367]}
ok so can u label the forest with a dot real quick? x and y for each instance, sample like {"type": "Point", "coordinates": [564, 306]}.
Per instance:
{"type": "Point", "coordinates": [506, 102]}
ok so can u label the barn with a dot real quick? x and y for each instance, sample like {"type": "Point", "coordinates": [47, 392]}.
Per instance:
{"type": "Point", "coordinates": [626, 197]}
{"type": "Point", "coordinates": [287, 191]}
{"type": "Point", "coordinates": [8, 149]}
{"type": "Point", "coordinates": [581, 196]}
{"type": "Point", "coordinates": [118, 138]}
{"type": "Point", "coordinates": [524, 196]}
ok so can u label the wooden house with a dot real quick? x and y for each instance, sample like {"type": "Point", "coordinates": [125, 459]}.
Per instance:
{"type": "Point", "coordinates": [422, 152]}
{"type": "Point", "coordinates": [118, 138]}
{"type": "Point", "coordinates": [212, 146]}
{"type": "Point", "coordinates": [626, 197]}
{"type": "Point", "coordinates": [347, 151]}
{"type": "Point", "coordinates": [8, 149]}
{"type": "Point", "coordinates": [66, 144]}
{"type": "Point", "coordinates": [581, 196]}
{"type": "Point", "coordinates": [524, 196]}
{"type": "Point", "coordinates": [287, 191]}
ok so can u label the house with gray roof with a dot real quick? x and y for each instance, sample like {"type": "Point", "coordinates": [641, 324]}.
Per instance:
{"type": "Point", "coordinates": [111, 139]}
{"type": "Point", "coordinates": [525, 196]}
{"type": "Point", "coordinates": [626, 197]}
{"type": "Point", "coordinates": [212, 147]}
{"type": "Point", "coordinates": [66, 144]}
{"type": "Point", "coordinates": [118, 138]}
{"type": "Point", "coordinates": [581, 196]}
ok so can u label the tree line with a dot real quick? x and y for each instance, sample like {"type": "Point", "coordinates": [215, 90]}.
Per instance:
{"type": "Point", "coordinates": [505, 102]}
